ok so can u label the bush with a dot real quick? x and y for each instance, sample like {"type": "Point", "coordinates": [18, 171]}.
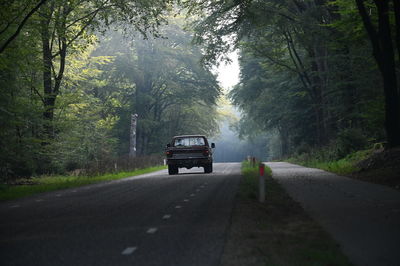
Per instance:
{"type": "Point", "coordinates": [350, 140]}
{"type": "Point", "coordinates": [123, 163]}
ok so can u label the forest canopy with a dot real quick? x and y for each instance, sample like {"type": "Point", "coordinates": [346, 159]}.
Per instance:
{"type": "Point", "coordinates": [314, 74]}
{"type": "Point", "coordinates": [78, 70]}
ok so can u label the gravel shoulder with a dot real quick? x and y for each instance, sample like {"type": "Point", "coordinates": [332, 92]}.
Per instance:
{"type": "Point", "coordinates": [363, 218]}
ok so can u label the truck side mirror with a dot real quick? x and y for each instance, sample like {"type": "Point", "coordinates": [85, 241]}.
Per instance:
{"type": "Point", "coordinates": [212, 145]}
{"type": "Point", "coordinates": [168, 145]}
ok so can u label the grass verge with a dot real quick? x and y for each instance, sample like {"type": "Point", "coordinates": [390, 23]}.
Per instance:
{"type": "Point", "coordinates": [344, 166]}
{"type": "Point", "coordinates": [278, 232]}
{"type": "Point", "coordinates": [51, 183]}
{"type": "Point", "coordinates": [373, 165]}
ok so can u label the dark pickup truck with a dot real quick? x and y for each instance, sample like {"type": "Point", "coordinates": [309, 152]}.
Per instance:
{"type": "Point", "coordinates": [189, 151]}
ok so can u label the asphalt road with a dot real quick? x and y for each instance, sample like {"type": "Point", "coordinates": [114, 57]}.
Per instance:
{"type": "Point", "coordinates": [364, 218]}
{"type": "Point", "coordinates": [153, 219]}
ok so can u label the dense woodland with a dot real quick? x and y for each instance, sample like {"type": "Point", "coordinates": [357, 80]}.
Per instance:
{"type": "Point", "coordinates": [78, 70]}
{"type": "Point", "coordinates": [314, 74]}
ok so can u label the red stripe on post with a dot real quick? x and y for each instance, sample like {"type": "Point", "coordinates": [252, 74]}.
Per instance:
{"type": "Point", "coordinates": [261, 167]}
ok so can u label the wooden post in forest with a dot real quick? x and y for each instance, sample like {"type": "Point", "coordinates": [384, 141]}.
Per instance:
{"type": "Point", "coordinates": [132, 143]}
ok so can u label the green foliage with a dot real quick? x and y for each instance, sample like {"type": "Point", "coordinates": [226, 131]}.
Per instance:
{"type": "Point", "coordinates": [249, 183]}
{"type": "Point", "coordinates": [350, 140]}
{"type": "Point", "coordinates": [96, 78]}
{"type": "Point", "coordinates": [170, 91]}
{"type": "Point", "coordinates": [307, 76]}
{"type": "Point", "coordinates": [327, 159]}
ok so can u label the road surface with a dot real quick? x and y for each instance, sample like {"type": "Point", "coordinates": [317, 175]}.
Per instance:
{"type": "Point", "coordinates": [153, 219]}
{"type": "Point", "coordinates": [364, 218]}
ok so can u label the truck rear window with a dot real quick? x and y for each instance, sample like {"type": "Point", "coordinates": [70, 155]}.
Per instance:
{"type": "Point", "coordinates": [188, 142]}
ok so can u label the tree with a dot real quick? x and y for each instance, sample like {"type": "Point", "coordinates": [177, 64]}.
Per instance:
{"type": "Point", "coordinates": [171, 92]}
{"type": "Point", "coordinates": [10, 20]}
{"type": "Point", "coordinates": [65, 26]}
{"type": "Point", "coordinates": [383, 45]}
{"type": "Point", "coordinates": [338, 85]}
{"type": "Point", "coordinates": [65, 97]}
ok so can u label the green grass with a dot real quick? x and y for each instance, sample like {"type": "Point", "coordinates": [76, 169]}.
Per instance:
{"type": "Point", "coordinates": [249, 183]}
{"type": "Point", "coordinates": [277, 232]}
{"type": "Point", "coordinates": [51, 183]}
{"type": "Point", "coordinates": [342, 166]}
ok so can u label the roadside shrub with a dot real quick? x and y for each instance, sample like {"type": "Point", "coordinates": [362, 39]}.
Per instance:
{"type": "Point", "coordinates": [350, 140]}
{"type": "Point", "coordinates": [123, 163]}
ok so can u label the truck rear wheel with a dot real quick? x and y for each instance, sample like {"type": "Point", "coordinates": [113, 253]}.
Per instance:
{"type": "Point", "coordinates": [172, 170]}
{"type": "Point", "coordinates": [208, 168]}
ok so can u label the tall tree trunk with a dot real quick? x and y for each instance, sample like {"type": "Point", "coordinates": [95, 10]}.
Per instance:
{"type": "Point", "coordinates": [319, 87]}
{"type": "Point", "coordinates": [396, 5]}
{"type": "Point", "coordinates": [383, 52]}
{"type": "Point", "coordinates": [48, 95]}
{"type": "Point", "coordinates": [388, 70]}
{"type": "Point", "coordinates": [284, 138]}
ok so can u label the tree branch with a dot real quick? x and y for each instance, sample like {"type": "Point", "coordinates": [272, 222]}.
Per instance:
{"type": "Point", "coordinates": [21, 25]}
{"type": "Point", "coordinates": [38, 93]}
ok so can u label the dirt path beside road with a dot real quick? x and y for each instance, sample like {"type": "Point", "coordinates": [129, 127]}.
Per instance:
{"type": "Point", "coordinates": [364, 218]}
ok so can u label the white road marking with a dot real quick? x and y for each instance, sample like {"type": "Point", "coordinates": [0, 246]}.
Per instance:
{"type": "Point", "coordinates": [152, 230]}
{"type": "Point", "coordinates": [128, 250]}
{"type": "Point", "coordinates": [185, 200]}
{"type": "Point", "coordinates": [58, 195]}
{"type": "Point", "coordinates": [192, 195]}
{"type": "Point", "coordinates": [178, 207]}
{"type": "Point", "coordinates": [74, 191]}
{"type": "Point", "coordinates": [39, 200]}
{"type": "Point", "coordinates": [14, 206]}
{"type": "Point", "coordinates": [167, 216]}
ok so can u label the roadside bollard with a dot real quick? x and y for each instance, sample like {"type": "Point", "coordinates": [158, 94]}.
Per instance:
{"type": "Point", "coordinates": [261, 183]}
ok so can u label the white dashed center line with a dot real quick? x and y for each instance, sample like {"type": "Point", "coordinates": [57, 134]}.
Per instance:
{"type": "Point", "coordinates": [39, 200]}
{"type": "Point", "coordinates": [167, 216]}
{"type": "Point", "coordinates": [58, 195]}
{"type": "Point", "coordinates": [128, 250]}
{"type": "Point", "coordinates": [178, 207]}
{"type": "Point", "coordinates": [14, 206]}
{"type": "Point", "coordinates": [185, 200]}
{"type": "Point", "coordinates": [152, 230]}
{"type": "Point", "coordinates": [192, 195]}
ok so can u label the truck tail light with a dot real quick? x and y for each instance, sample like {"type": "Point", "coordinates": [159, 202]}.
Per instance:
{"type": "Point", "coordinates": [168, 153]}
{"type": "Point", "coordinates": [206, 152]}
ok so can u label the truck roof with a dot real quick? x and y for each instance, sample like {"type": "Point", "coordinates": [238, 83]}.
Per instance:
{"type": "Point", "coordinates": [186, 136]}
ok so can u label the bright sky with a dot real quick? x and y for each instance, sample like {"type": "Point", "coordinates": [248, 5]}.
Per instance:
{"type": "Point", "coordinates": [228, 75]}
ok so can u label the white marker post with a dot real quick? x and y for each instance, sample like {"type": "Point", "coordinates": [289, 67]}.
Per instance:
{"type": "Point", "coordinates": [261, 194]}
{"type": "Point", "coordinates": [132, 138]}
